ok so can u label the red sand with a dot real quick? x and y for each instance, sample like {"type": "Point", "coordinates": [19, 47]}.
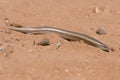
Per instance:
{"type": "Point", "coordinates": [22, 59]}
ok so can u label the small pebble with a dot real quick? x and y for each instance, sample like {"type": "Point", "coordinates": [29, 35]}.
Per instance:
{"type": "Point", "coordinates": [44, 42]}
{"type": "Point", "coordinates": [100, 31]}
{"type": "Point", "coordinates": [102, 9]}
{"type": "Point", "coordinates": [7, 50]}
{"type": "Point", "coordinates": [1, 48]}
{"type": "Point", "coordinates": [11, 23]}
{"type": "Point", "coordinates": [6, 19]}
{"type": "Point", "coordinates": [112, 49]}
{"type": "Point", "coordinates": [58, 44]}
{"type": "Point", "coordinates": [17, 39]}
{"type": "Point", "coordinates": [15, 25]}
{"type": "Point", "coordinates": [96, 10]}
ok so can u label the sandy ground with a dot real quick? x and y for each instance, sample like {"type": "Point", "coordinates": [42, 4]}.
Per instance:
{"type": "Point", "coordinates": [22, 59]}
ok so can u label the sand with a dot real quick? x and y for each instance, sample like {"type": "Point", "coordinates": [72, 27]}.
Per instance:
{"type": "Point", "coordinates": [21, 58]}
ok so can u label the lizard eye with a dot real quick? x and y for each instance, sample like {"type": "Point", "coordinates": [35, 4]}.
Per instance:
{"type": "Point", "coordinates": [106, 48]}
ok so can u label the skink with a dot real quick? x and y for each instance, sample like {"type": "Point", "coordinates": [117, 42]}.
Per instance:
{"type": "Point", "coordinates": [69, 35]}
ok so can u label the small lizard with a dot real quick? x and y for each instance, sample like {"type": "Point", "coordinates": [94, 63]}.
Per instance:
{"type": "Point", "coordinates": [69, 35]}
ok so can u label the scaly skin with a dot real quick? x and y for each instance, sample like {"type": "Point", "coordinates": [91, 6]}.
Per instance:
{"type": "Point", "coordinates": [64, 34]}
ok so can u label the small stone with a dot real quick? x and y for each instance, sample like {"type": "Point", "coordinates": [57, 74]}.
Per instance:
{"type": "Point", "coordinates": [17, 39]}
{"type": "Point", "coordinates": [44, 42]}
{"type": "Point", "coordinates": [6, 19]}
{"type": "Point", "coordinates": [100, 31]}
{"type": "Point", "coordinates": [58, 44]}
{"type": "Point", "coordinates": [15, 25]}
{"type": "Point", "coordinates": [112, 49]}
{"type": "Point", "coordinates": [96, 10]}
{"type": "Point", "coordinates": [102, 9]}
{"type": "Point", "coordinates": [9, 24]}
{"type": "Point", "coordinates": [1, 49]}
{"type": "Point", "coordinates": [7, 50]}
